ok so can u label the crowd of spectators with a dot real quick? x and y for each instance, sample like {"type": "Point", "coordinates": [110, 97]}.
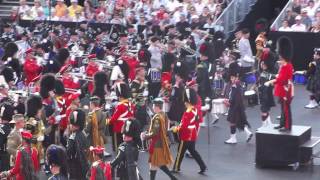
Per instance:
{"type": "Point", "coordinates": [302, 16]}
{"type": "Point", "coordinates": [122, 12]}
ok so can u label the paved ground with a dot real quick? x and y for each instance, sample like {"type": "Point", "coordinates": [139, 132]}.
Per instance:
{"type": "Point", "coordinates": [232, 162]}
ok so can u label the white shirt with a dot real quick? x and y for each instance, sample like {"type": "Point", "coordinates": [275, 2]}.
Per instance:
{"type": "Point", "coordinates": [285, 29]}
{"type": "Point", "coordinates": [23, 9]}
{"type": "Point", "coordinates": [299, 28]}
{"type": "Point", "coordinates": [245, 52]}
{"type": "Point", "coordinates": [155, 60]}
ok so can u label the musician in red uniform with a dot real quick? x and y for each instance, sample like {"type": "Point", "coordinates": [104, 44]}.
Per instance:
{"type": "Point", "coordinates": [188, 132]}
{"type": "Point", "coordinates": [99, 170]}
{"type": "Point", "coordinates": [31, 68]}
{"type": "Point", "coordinates": [283, 86]}
{"type": "Point", "coordinates": [27, 164]}
{"type": "Point", "coordinates": [91, 70]}
{"type": "Point", "coordinates": [123, 111]}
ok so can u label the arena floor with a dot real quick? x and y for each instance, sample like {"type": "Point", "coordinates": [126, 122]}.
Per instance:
{"type": "Point", "coordinates": [231, 162]}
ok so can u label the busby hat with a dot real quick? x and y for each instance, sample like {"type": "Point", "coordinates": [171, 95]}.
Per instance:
{"type": "Point", "coordinates": [78, 118]}
{"type": "Point", "coordinates": [100, 80]}
{"type": "Point", "coordinates": [56, 155]}
{"type": "Point", "coordinates": [47, 83]}
{"type": "Point", "coordinates": [131, 128]}
{"type": "Point", "coordinates": [34, 104]}
{"type": "Point", "coordinates": [181, 69]}
{"type": "Point", "coordinates": [190, 96]}
{"type": "Point", "coordinates": [144, 55]}
{"type": "Point", "coordinates": [10, 49]}
{"type": "Point", "coordinates": [205, 49]}
{"type": "Point", "coordinates": [261, 25]}
{"type": "Point", "coordinates": [284, 48]}
{"type": "Point", "coordinates": [122, 90]}
{"type": "Point", "coordinates": [6, 111]}
{"type": "Point", "coordinates": [59, 87]}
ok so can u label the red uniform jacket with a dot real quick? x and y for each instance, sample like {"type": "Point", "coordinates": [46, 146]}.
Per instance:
{"type": "Point", "coordinates": [281, 85]}
{"type": "Point", "coordinates": [123, 111]}
{"type": "Point", "coordinates": [189, 126]}
{"type": "Point", "coordinates": [16, 171]}
{"type": "Point", "coordinates": [31, 70]}
{"type": "Point", "coordinates": [105, 167]}
{"type": "Point", "coordinates": [61, 101]}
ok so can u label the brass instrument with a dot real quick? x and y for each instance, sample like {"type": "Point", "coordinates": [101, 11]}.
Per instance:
{"type": "Point", "coordinates": [70, 90]}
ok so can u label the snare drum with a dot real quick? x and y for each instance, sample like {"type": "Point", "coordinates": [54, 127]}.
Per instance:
{"type": "Point", "coordinates": [251, 97]}
{"type": "Point", "coordinates": [250, 78]}
{"type": "Point", "coordinates": [218, 106]}
{"type": "Point", "coordinates": [299, 77]}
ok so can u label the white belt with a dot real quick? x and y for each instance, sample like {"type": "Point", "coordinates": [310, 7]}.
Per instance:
{"type": "Point", "coordinates": [192, 127]}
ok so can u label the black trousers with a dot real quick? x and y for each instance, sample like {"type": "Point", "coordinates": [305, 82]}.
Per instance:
{"type": "Point", "coordinates": [286, 116]}
{"type": "Point", "coordinates": [4, 161]}
{"type": "Point", "coordinates": [182, 148]}
{"type": "Point", "coordinates": [116, 141]}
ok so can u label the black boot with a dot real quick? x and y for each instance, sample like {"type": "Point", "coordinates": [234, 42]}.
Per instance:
{"type": "Point", "coordinates": [153, 174]}
{"type": "Point", "coordinates": [166, 170]}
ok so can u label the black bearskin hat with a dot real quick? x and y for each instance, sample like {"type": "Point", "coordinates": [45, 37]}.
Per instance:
{"type": "Point", "coordinates": [190, 96]}
{"type": "Point", "coordinates": [47, 83]}
{"type": "Point", "coordinates": [6, 111]}
{"type": "Point", "coordinates": [181, 69]}
{"type": "Point", "coordinates": [285, 47]}
{"type": "Point", "coordinates": [78, 118]}
{"type": "Point", "coordinates": [10, 49]}
{"type": "Point", "coordinates": [59, 87]}
{"type": "Point", "coordinates": [8, 74]}
{"type": "Point", "coordinates": [63, 55]}
{"type": "Point", "coordinates": [34, 104]}
{"type": "Point", "coordinates": [131, 128]}
{"type": "Point", "coordinates": [100, 80]}
{"type": "Point", "coordinates": [56, 155]}
{"type": "Point", "coordinates": [122, 90]}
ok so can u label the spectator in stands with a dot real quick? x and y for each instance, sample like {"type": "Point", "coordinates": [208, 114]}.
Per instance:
{"type": "Point", "coordinates": [172, 5]}
{"type": "Point", "coordinates": [14, 15]}
{"type": "Point", "coordinates": [298, 26]}
{"type": "Point", "coordinates": [209, 24]}
{"type": "Point", "coordinates": [28, 15]}
{"type": "Point", "coordinates": [285, 26]}
{"type": "Point", "coordinates": [218, 12]}
{"type": "Point", "coordinates": [316, 27]}
{"type": "Point", "coordinates": [199, 5]}
{"type": "Point", "coordinates": [182, 25]}
{"type": "Point", "coordinates": [74, 8]}
{"type": "Point", "coordinates": [211, 5]}
{"type": "Point", "coordinates": [204, 16]}
{"type": "Point", "coordinates": [296, 7]}
{"type": "Point", "coordinates": [23, 8]}
{"type": "Point", "coordinates": [89, 11]}
{"type": "Point", "coordinates": [117, 19]}
{"type": "Point", "coordinates": [316, 17]}
{"type": "Point", "coordinates": [40, 16]}
{"type": "Point", "coordinates": [311, 8]}
{"type": "Point", "coordinates": [102, 7]}
{"type": "Point", "coordinates": [290, 17]}
{"type": "Point", "coordinates": [306, 20]}
{"type": "Point", "coordinates": [36, 8]}
{"type": "Point", "coordinates": [60, 9]}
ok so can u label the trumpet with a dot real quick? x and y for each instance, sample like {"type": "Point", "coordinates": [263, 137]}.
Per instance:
{"type": "Point", "coordinates": [70, 90]}
{"type": "Point", "coordinates": [78, 76]}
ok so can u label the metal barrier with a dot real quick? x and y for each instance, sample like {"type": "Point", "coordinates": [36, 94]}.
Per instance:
{"type": "Point", "coordinates": [233, 15]}
{"type": "Point", "coordinates": [277, 23]}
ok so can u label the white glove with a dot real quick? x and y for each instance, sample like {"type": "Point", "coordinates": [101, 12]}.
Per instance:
{"type": "Point", "coordinates": [267, 84]}
{"type": "Point", "coordinates": [75, 79]}
{"type": "Point", "coordinates": [59, 117]}
{"type": "Point", "coordinates": [145, 93]}
{"type": "Point", "coordinates": [40, 138]}
{"type": "Point", "coordinates": [107, 106]}
{"type": "Point", "coordinates": [143, 136]}
{"type": "Point", "coordinates": [205, 107]}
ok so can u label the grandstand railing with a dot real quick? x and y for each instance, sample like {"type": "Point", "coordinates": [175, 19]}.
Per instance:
{"type": "Point", "coordinates": [278, 22]}
{"type": "Point", "coordinates": [233, 15]}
